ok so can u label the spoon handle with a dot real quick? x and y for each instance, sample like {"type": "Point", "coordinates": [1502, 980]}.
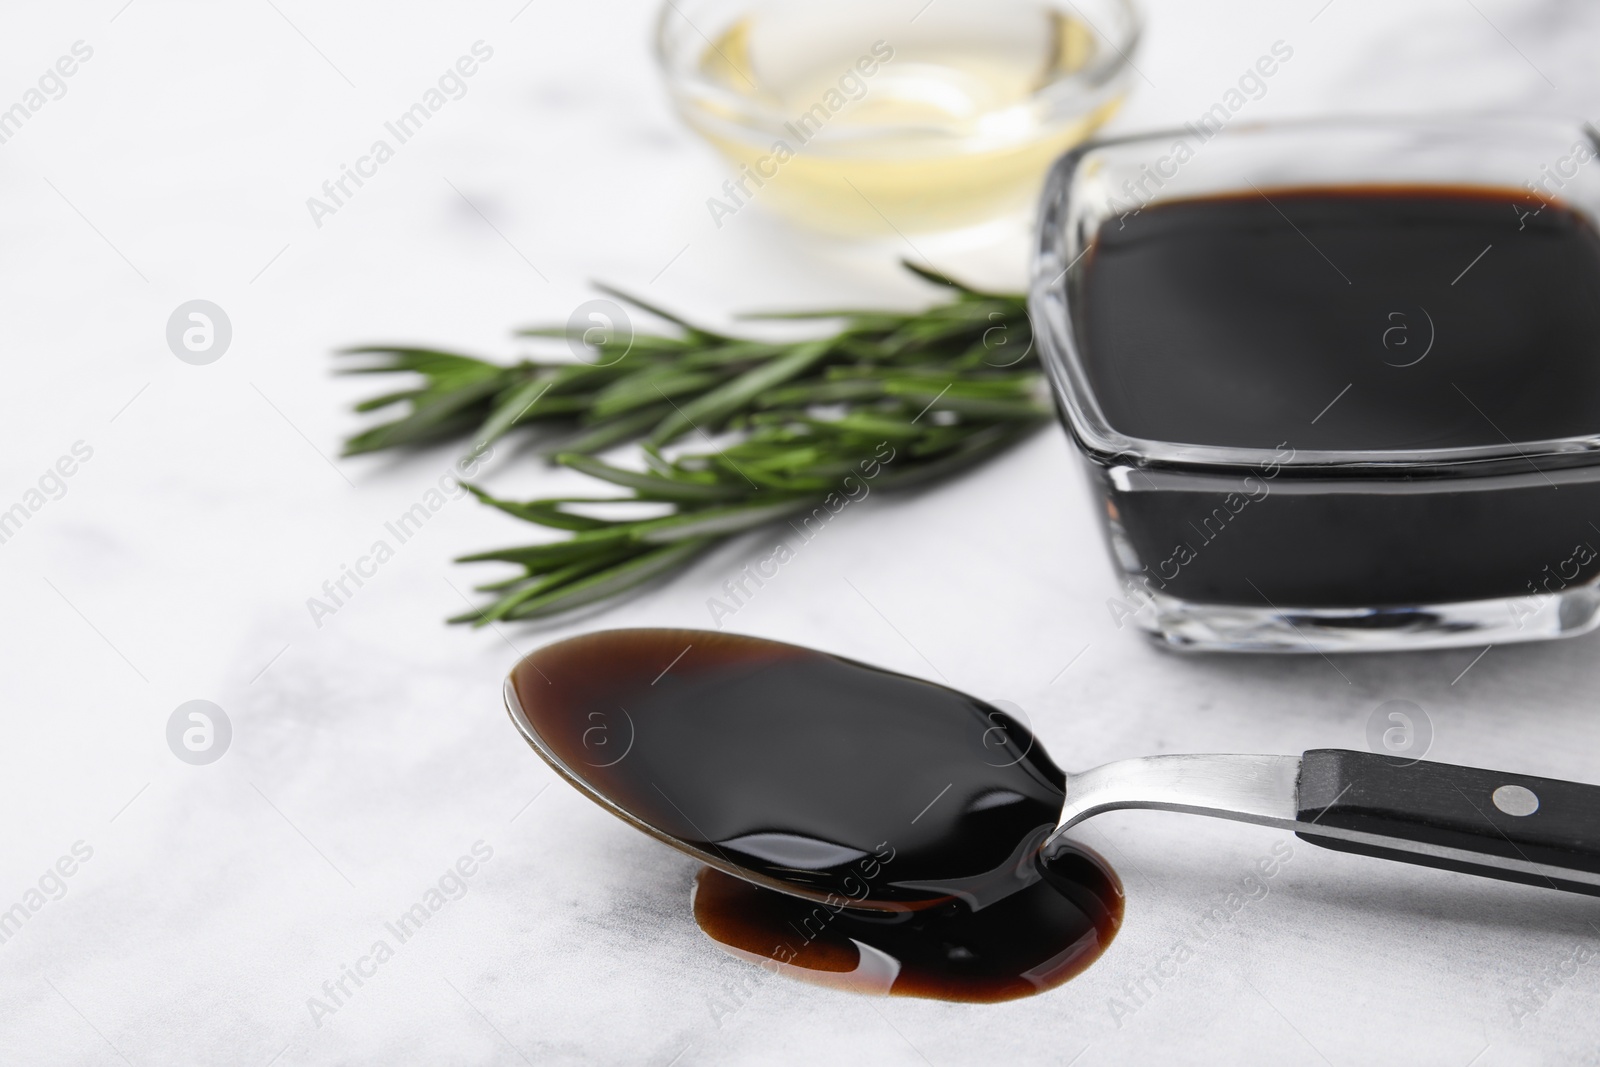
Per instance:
{"type": "Point", "coordinates": [1515, 827]}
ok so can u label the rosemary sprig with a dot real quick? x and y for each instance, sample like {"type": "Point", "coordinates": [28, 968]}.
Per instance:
{"type": "Point", "coordinates": [907, 397]}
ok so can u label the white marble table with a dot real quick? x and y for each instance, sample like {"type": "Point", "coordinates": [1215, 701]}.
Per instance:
{"type": "Point", "coordinates": [208, 904]}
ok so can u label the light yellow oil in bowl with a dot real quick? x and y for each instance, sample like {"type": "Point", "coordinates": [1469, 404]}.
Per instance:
{"type": "Point", "coordinates": [875, 118]}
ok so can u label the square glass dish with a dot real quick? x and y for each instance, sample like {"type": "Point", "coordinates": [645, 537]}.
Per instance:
{"type": "Point", "coordinates": [1336, 383]}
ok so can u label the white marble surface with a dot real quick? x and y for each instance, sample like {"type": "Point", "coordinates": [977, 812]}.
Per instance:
{"type": "Point", "coordinates": [372, 752]}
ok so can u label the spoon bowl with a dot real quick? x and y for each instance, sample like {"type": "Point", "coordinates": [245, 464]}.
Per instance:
{"type": "Point", "coordinates": [791, 768]}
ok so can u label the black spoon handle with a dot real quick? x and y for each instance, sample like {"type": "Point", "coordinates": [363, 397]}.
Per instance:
{"type": "Point", "coordinates": [1541, 831]}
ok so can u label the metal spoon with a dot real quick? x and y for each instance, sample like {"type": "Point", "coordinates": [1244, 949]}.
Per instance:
{"type": "Point", "coordinates": [1514, 827]}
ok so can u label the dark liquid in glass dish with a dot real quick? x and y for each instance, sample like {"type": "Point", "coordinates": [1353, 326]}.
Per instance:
{"type": "Point", "coordinates": [886, 800]}
{"type": "Point", "coordinates": [1450, 318]}
{"type": "Point", "coordinates": [1381, 320]}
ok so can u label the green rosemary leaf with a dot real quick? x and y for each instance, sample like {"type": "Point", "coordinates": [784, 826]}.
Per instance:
{"type": "Point", "coordinates": [855, 320]}
{"type": "Point", "coordinates": [433, 413]}
{"type": "Point", "coordinates": [715, 406]}
{"type": "Point", "coordinates": [511, 408]}
{"type": "Point", "coordinates": [975, 449]}
{"type": "Point", "coordinates": [717, 521]}
{"type": "Point", "coordinates": [845, 391]}
{"type": "Point", "coordinates": [747, 352]}
{"type": "Point", "coordinates": [645, 345]}
{"type": "Point", "coordinates": [429, 361]}
{"type": "Point", "coordinates": [648, 486]}
{"type": "Point", "coordinates": [650, 387]}
{"type": "Point", "coordinates": [607, 583]}
{"type": "Point", "coordinates": [604, 434]}
{"type": "Point", "coordinates": [387, 399]}
{"type": "Point", "coordinates": [541, 558]}
{"type": "Point", "coordinates": [951, 400]}
{"type": "Point", "coordinates": [688, 327]}
{"type": "Point", "coordinates": [548, 585]}
{"type": "Point", "coordinates": [874, 425]}
{"type": "Point", "coordinates": [503, 584]}
{"type": "Point", "coordinates": [931, 275]}
{"type": "Point", "coordinates": [541, 512]}
{"type": "Point", "coordinates": [403, 433]}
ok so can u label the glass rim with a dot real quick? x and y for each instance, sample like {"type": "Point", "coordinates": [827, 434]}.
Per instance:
{"type": "Point", "coordinates": [1083, 90]}
{"type": "Point", "coordinates": [1049, 309]}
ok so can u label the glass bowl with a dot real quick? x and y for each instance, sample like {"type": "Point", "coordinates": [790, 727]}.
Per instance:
{"type": "Point", "coordinates": [886, 117]}
{"type": "Point", "coordinates": [1266, 532]}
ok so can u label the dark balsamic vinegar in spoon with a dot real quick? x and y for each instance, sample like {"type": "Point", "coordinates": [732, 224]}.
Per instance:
{"type": "Point", "coordinates": [909, 814]}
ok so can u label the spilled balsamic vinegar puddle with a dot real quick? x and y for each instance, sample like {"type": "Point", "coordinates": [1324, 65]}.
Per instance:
{"type": "Point", "coordinates": [1028, 942]}
{"type": "Point", "coordinates": [908, 813]}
